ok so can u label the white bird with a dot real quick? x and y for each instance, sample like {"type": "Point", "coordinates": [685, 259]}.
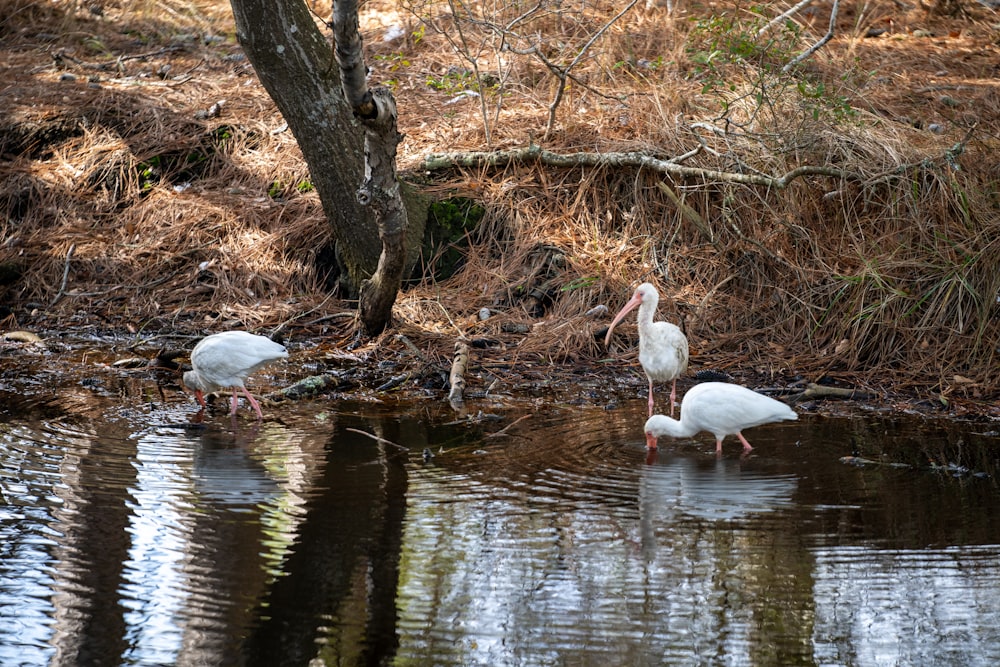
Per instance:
{"type": "Point", "coordinates": [226, 359]}
{"type": "Point", "coordinates": [721, 409]}
{"type": "Point", "coordinates": [663, 347]}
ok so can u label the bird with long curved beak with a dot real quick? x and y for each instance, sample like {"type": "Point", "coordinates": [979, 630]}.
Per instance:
{"type": "Point", "coordinates": [663, 347]}
{"type": "Point", "coordinates": [225, 360]}
{"type": "Point", "coordinates": [721, 409]}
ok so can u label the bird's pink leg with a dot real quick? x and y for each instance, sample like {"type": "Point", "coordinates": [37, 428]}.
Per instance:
{"type": "Point", "coordinates": [673, 396]}
{"type": "Point", "coordinates": [234, 402]}
{"type": "Point", "coordinates": [253, 402]}
{"type": "Point", "coordinates": [746, 445]}
{"type": "Point", "coordinates": [718, 445]}
{"type": "Point", "coordinates": [200, 397]}
{"type": "Point", "coordinates": [651, 400]}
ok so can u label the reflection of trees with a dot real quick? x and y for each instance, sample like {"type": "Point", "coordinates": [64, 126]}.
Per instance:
{"type": "Point", "coordinates": [338, 590]}
{"type": "Point", "coordinates": [91, 546]}
{"type": "Point", "coordinates": [230, 554]}
{"type": "Point", "coordinates": [902, 607]}
{"type": "Point", "coordinates": [543, 555]}
{"type": "Point", "coordinates": [159, 554]}
{"type": "Point", "coordinates": [191, 547]}
{"type": "Point", "coordinates": [268, 544]}
{"type": "Point", "coordinates": [707, 523]}
{"type": "Point", "coordinates": [914, 506]}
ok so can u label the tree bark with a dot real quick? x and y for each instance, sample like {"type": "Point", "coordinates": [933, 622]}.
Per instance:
{"type": "Point", "coordinates": [295, 64]}
{"type": "Point", "coordinates": [380, 189]}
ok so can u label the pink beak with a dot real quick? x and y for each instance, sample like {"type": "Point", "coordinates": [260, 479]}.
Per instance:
{"type": "Point", "coordinates": [633, 302]}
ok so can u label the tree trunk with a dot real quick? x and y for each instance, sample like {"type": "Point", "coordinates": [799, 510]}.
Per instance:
{"type": "Point", "coordinates": [377, 110]}
{"type": "Point", "coordinates": [381, 187]}
{"type": "Point", "coordinates": [296, 66]}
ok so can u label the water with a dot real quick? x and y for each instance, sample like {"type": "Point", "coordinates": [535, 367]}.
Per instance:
{"type": "Point", "coordinates": [325, 535]}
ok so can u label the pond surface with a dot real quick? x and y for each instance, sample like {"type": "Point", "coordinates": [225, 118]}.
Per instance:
{"type": "Point", "coordinates": [353, 532]}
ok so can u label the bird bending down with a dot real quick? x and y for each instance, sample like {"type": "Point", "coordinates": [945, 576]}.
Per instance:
{"type": "Point", "coordinates": [663, 347]}
{"type": "Point", "coordinates": [721, 409]}
{"type": "Point", "coordinates": [225, 360]}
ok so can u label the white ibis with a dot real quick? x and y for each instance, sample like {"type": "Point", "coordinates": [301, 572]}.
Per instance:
{"type": "Point", "coordinates": [663, 347]}
{"type": "Point", "coordinates": [226, 359]}
{"type": "Point", "coordinates": [721, 409]}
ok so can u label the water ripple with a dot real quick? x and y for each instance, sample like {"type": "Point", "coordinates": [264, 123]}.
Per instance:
{"type": "Point", "coordinates": [926, 607]}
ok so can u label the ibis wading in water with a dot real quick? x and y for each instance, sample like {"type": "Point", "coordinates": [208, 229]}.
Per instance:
{"type": "Point", "coordinates": [721, 409]}
{"type": "Point", "coordinates": [663, 347]}
{"type": "Point", "coordinates": [225, 360]}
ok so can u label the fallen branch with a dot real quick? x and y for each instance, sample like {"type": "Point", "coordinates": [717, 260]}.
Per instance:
{"type": "Point", "coordinates": [23, 337]}
{"type": "Point", "coordinates": [687, 212]}
{"type": "Point", "coordinates": [393, 382]}
{"type": "Point", "coordinates": [535, 153]}
{"type": "Point", "coordinates": [414, 350]}
{"type": "Point", "coordinates": [457, 377]}
{"type": "Point", "coordinates": [814, 390]}
{"type": "Point", "coordinates": [313, 385]}
{"type": "Point", "coordinates": [861, 461]}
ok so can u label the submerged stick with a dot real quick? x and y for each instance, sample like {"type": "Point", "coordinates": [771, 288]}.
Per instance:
{"type": "Point", "coordinates": [313, 385]}
{"type": "Point", "coordinates": [504, 430]}
{"type": "Point", "coordinates": [377, 438]}
{"type": "Point", "coordinates": [457, 377]}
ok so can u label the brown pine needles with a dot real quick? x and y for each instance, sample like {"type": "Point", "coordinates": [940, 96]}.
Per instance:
{"type": "Point", "coordinates": [188, 206]}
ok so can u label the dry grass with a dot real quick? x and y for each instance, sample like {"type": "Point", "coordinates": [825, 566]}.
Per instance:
{"type": "Point", "coordinates": [181, 219]}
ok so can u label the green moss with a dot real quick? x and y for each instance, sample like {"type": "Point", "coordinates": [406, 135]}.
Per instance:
{"type": "Point", "coordinates": [449, 223]}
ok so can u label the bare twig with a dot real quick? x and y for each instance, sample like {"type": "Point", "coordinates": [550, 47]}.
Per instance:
{"type": "Point", "coordinates": [65, 276]}
{"type": "Point", "coordinates": [377, 438]}
{"type": "Point", "coordinates": [463, 47]}
{"type": "Point", "coordinates": [113, 288]}
{"type": "Point", "coordinates": [346, 315]}
{"type": "Point", "coordinates": [506, 428]}
{"type": "Point", "coordinates": [562, 73]}
{"type": "Point", "coordinates": [782, 16]}
{"type": "Point", "coordinates": [816, 47]}
{"type": "Point", "coordinates": [311, 310]}
{"type": "Point", "coordinates": [414, 350]}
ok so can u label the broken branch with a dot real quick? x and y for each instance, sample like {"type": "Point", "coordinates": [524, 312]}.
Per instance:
{"type": "Point", "coordinates": [457, 377]}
